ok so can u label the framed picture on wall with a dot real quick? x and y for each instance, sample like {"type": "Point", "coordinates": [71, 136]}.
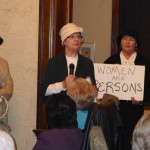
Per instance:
{"type": "Point", "coordinates": [88, 50]}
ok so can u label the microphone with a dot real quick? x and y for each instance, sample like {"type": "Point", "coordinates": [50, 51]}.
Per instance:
{"type": "Point", "coordinates": [71, 67]}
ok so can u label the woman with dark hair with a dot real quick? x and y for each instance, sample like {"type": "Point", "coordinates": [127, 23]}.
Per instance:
{"type": "Point", "coordinates": [131, 110]}
{"type": "Point", "coordinates": [61, 112]}
{"type": "Point", "coordinates": [63, 133]}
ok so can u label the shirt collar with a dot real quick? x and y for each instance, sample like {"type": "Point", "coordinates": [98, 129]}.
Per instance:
{"type": "Point", "coordinates": [129, 61]}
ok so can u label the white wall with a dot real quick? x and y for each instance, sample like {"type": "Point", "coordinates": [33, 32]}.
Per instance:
{"type": "Point", "coordinates": [95, 18]}
{"type": "Point", "coordinates": [19, 29]}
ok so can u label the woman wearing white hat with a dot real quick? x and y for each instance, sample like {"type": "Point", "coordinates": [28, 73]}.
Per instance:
{"type": "Point", "coordinates": [59, 72]}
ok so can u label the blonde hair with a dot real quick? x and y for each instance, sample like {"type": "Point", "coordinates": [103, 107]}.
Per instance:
{"type": "Point", "coordinates": [141, 134]}
{"type": "Point", "coordinates": [6, 141]}
{"type": "Point", "coordinates": [82, 92]}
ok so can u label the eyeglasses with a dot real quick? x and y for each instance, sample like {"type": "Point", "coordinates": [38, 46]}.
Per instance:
{"type": "Point", "coordinates": [72, 37]}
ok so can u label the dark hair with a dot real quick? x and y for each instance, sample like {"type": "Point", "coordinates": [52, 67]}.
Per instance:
{"type": "Point", "coordinates": [1, 40]}
{"type": "Point", "coordinates": [130, 32]}
{"type": "Point", "coordinates": [61, 112]}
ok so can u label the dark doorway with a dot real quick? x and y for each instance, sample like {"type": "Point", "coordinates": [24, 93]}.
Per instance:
{"type": "Point", "coordinates": [136, 14]}
{"type": "Point", "coordinates": [53, 14]}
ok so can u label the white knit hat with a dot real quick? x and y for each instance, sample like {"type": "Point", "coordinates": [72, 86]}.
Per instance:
{"type": "Point", "coordinates": [69, 29]}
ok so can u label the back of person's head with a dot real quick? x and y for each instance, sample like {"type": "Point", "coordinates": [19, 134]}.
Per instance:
{"type": "Point", "coordinates": [82, 92]}
{"type": "Point", "coordinates": [141, 134]}
{"type": "Point", "coordinates": [6, 141]}
{"type": "Point", "coordinates": [97, 139]}
{"type": "Point", "coordinates": [61, 112]}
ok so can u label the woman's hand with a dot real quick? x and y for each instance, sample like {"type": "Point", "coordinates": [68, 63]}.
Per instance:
{"type": "Point", "coordinates": [134, 101]}
{"type": "Point", "coordinates": [69, 79]}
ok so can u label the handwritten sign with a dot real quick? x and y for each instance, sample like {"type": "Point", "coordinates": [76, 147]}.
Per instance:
{"type": "Point", "coordinates": [123, 81]}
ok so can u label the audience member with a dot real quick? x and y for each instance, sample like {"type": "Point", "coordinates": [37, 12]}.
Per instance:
{"type": "Point", "coordinates": [7, 141]}
{"type": "Point", "coordinates": [91, 114]}
{"type": "Point", "coordinates": [141, 134]}
{"type": "Point", "coordinates": [69, 64]}
{"type": "Point", "coordinates": [83, 93]}
{"type": "Point", "coordinates": [63, 133]}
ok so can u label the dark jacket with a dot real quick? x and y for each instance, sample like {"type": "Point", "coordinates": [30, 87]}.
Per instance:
{"type": "Point", "coordinates": [108, 118]}
{"type": "Point", "coordinates": [57, 71]}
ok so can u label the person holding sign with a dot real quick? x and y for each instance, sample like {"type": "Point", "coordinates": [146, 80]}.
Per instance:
{"type": "Point", "coordinates": [66, 66]}
{"type": "Point", "coordinates": [131, 110]}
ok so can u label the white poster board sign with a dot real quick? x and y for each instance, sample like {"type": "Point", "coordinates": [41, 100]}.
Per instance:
{"type": "Point", "coordinates": [123, 81]}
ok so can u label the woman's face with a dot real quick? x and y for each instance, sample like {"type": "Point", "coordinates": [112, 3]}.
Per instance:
{"type": "Point", "coordinates": [128, 43]}
{"type": "Point", "coordinates": [73, 41]}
